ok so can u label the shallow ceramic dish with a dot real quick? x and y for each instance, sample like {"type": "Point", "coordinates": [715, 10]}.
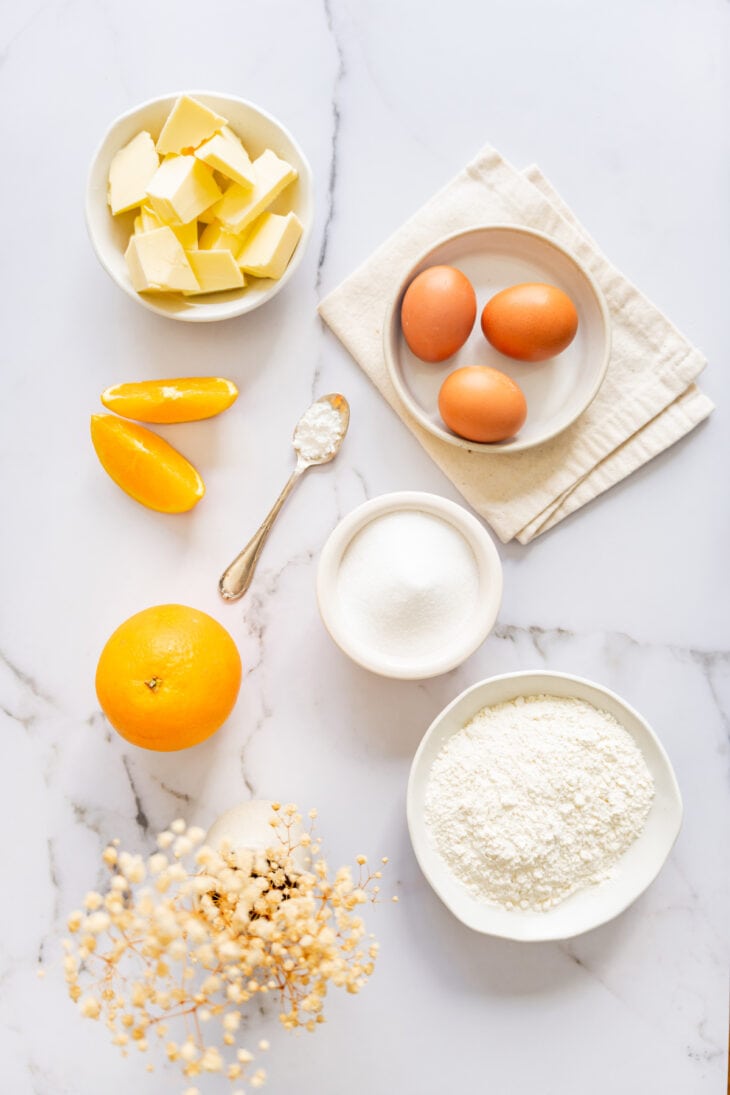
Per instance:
{"type": "Point", "coordinates": [587, 908]}
{"type": "Point", "coordinates": [557, 390]}
{"type": "Point", "coordinates": [110, 235]}
{"type": "Point", "coordinates": [485, 608]}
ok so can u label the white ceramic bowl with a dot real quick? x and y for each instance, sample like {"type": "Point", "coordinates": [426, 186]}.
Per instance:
{"type": "Point", "coordinates": [110, 235]}
{"type": "Point", "coordinates": [587, 908]}
{"type": "Point", "coordinates": [557, 390]}
{"type": "Point", "coordinates": [485, 608]}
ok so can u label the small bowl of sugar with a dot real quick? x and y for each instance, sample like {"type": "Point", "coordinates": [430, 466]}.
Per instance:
{"type": "Point", "coordinates": [409, 585]}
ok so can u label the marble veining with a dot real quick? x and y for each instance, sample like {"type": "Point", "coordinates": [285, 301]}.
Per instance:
{"type": "Point", "coordinates": [388, 100]}
{"type": "Point", "coordinates": [332, 177]}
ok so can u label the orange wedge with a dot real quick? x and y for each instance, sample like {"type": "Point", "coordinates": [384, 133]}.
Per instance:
{"type": "Point", "coordinates": [145, 466]}
{"type": "Point", "coordinates": [167, 401]}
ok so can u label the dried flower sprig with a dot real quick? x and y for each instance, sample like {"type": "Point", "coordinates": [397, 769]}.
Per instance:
{"type": "Point", "coordinates": [194, 935]}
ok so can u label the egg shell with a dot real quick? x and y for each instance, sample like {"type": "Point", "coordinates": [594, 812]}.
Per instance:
{"type": "Point", "coordinates": [438, 312]}
{"type": "Point", "coordinates": [246, 826]}
{"type": "Point", "coordinates": [531, 322]}
{"type": "Point", "coordinates": [482, 404]}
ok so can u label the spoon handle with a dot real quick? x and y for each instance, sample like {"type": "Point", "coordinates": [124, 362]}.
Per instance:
{"type": "Point", "coordinates": [236, 579]}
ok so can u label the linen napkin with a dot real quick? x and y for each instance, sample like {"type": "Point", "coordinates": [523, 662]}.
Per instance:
{"type": "Point", "coordinates": [648, 399]}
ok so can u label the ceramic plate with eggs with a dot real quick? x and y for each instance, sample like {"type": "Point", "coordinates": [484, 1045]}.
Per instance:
{"type": "Point", "coordinates": [497, 339]}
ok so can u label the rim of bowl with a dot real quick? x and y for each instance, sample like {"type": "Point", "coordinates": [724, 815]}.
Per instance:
{"type": "Point", "coordinates": [412, 406]}
{"type": "Point", "coordinates": [415, 819]}
{"type": "Point", "coordinates": [488, 563]}
{"type": "Point", "coordinates": [239, 305]}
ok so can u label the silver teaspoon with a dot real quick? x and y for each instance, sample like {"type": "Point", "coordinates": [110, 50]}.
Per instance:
{"type": "Point", "coordinates": [317, 440]}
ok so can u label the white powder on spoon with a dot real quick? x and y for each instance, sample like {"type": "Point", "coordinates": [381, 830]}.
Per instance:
{"type": "Point", "coordinates": [408, 584]}
{"type": "Point", "coordinates": [537, 798]}
{"type": "Point", "coordinates": [319, 431]}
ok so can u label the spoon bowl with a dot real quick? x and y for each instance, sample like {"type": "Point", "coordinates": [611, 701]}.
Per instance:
{"type": "Point", "coordinates": [303, 439]}
{"type": "Point", "coordinates": [317, 438]}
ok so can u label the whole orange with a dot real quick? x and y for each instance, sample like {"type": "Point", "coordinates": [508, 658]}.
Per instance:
{"type": "Point", "coordinates": [168, 678]}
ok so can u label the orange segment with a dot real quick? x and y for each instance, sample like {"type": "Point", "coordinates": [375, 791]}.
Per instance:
{"type": "Point", "coordinates": [187, 399]}
{"type": "Point", "coordinates": [168, 678]}
{"type": "Point", "coordinates": [145, 466]}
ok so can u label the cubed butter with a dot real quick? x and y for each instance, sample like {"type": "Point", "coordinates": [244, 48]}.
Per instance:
{"type": "Point", "coordinates": [130, 171]}
{"type": "Point", "coordinates": [188, 124]}
{"type": "Point", "coordinates": [239, 207]}
{"type": "Point", "coordinates": [149, 219]}
{"type": "Point", "coordinates": [215, 237]}
{"type": "Point", "coordinates": [158, 264]}
{"type": "Point", "coordinates": [270, 244]}
{"type": "Point", "coordinates": [201, 210]}
{"type": "Point", "coordinates": [181, 189]}
{"type": "Point", "coordinates": [224, 152]}
{"type": "Point", "coordinates": [214, 271]}
{"type": "Point", "coordinates": [186, 233]}
{"type": "Point", "coordinates": [208, 216]}
{"type": "Point", "coordinates": [230, 135]}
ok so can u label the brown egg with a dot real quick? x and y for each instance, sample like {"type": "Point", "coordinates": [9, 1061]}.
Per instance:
{"type": "Point", "coordinates": [531, 321]}
{"type": "Point", "coordinates": [438, 312]}
{"type": "Point", "coordinates": [482, 404]}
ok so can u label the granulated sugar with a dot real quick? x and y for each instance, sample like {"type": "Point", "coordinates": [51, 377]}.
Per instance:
{"type": "Point", "coordinates": [536, 798]}
{"type": "Point", "coordinates": [408, 584]}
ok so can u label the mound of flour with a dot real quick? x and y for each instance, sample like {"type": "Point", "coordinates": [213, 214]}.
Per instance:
{"type": "Point", "coordinates": [536, 798]}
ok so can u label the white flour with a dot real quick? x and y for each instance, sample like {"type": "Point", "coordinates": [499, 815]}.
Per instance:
{"type": "Point", "coordinates": [536, 798]}
{"type": "Point", "coordinates": [318, 431]}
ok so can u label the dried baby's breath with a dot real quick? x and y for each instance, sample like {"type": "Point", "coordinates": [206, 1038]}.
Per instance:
{"type": "Point", "coordinates": [187, 939]}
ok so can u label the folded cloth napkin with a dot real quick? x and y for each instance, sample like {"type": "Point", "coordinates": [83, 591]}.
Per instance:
{"type": "Point", "coordinates": [647, 401]}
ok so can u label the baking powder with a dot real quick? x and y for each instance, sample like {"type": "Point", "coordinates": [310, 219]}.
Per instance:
{"type": "Point", "coordinates": [537, 798]}
{"type": "Point", "coordinates": [318, 431]}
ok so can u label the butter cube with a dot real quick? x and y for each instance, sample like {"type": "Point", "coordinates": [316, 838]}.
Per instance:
{"type": "Point", "coordinates": [270, 244]}
{"type": "Point", "coordinates": [186, 233]}
{"type": "Point", "coordinates": [208, 216]}
{"type": "Point", "coordinates": [226, 154]}
{"type": "Point", "coordinates": [149, 219]}
{"type": "Point", "coordinates": [214, 271]}
{"type": "Point", "coordinates": [188, 124]}
{"type": "Point", "coordinates": [158, 264]}
{"type": "Point", "coordinates": [215, 237]}
{"type": "Point", "coordinates": [239, 207]}
{"type": "Point", "coordinates": [181, 189]}
{"type": "Point", "coordinates": [130, 171]}
{"type": "Point", "coordinates": [230, 135]}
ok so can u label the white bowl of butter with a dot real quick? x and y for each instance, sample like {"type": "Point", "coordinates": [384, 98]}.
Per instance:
{"type": "Point", "coordinates": [111, 234]}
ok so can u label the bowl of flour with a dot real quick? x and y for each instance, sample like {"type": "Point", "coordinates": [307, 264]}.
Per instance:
{"type": "Point", "coordinates": [541, 805]}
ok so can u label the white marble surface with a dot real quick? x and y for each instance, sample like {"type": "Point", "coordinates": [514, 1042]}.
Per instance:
{"type": "Point", "coordinates": [624, 106]}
